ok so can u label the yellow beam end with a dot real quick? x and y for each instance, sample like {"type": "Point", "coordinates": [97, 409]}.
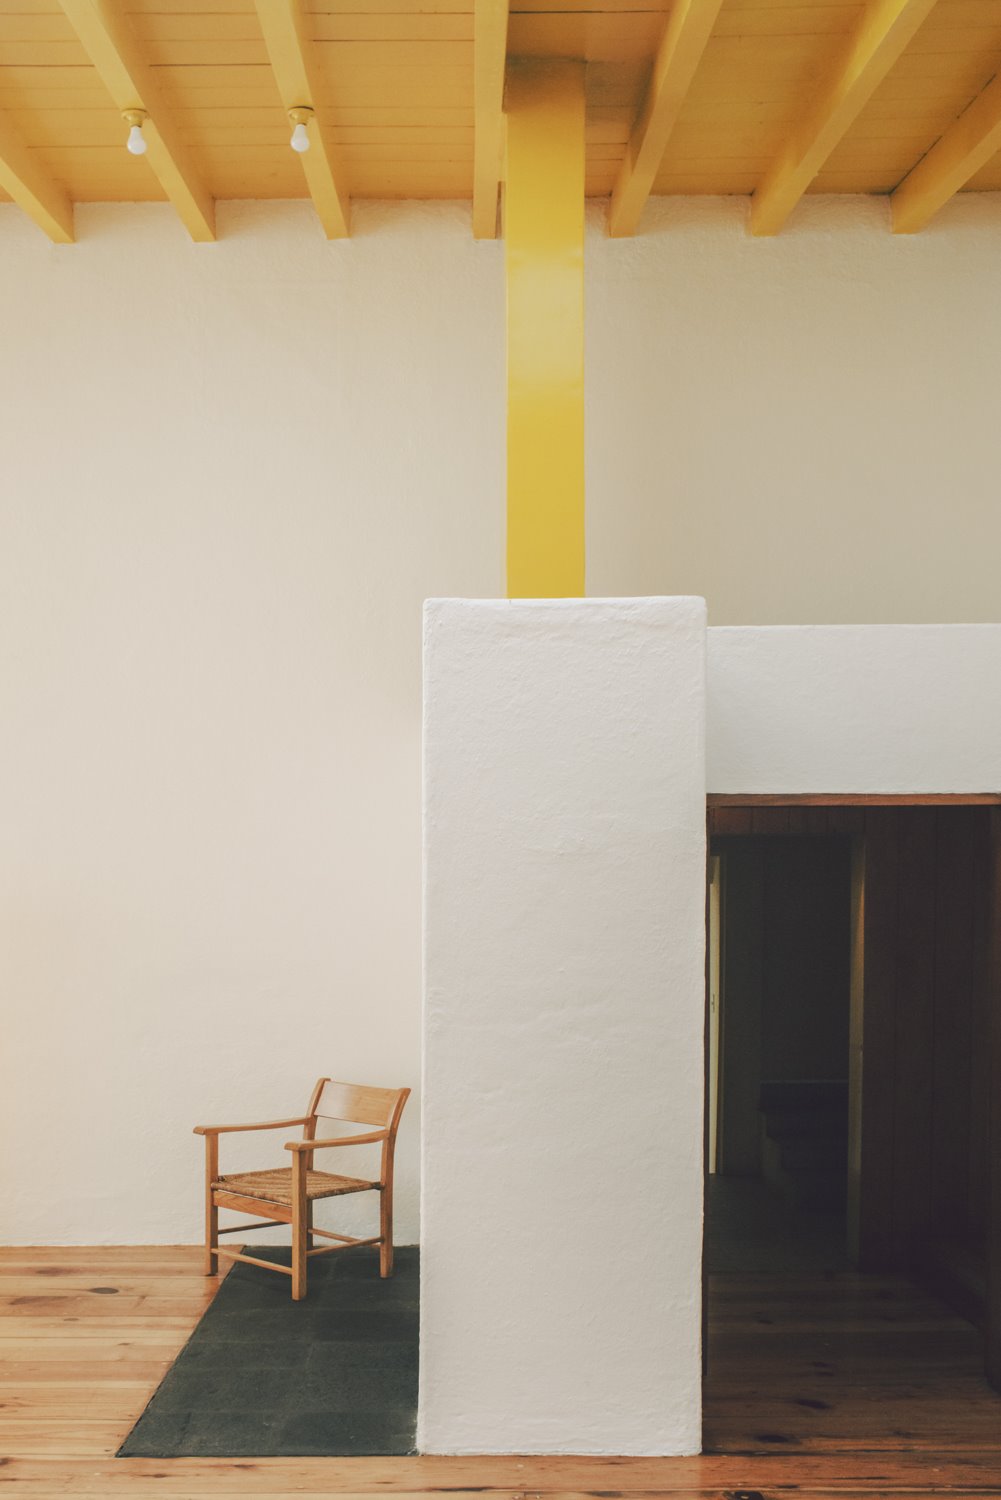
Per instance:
{"type": "Point", "coordinates": [293, 61]}
{"type": "Point", "coordinates": [686, 36]}
{"type": "Point", "coordinates": [883, 32]}
{"type": "Point", "coordinates": [544, 245]}
{"type": "Point", "coordinates": [105, 32]}
{"type": "Point", "coordinates": [168, 159]}
{"type": "Point", "coordinates": [32, 188]}
{"type": "Point", "coordinates": [965, 147]}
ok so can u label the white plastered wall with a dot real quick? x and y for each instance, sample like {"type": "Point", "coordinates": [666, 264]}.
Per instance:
{"type": "Point", "coordinates": [802, 428]}
{"type": "Point", "coordinates": [550, 933]}
{"type": "Point", "coordinates": [229, 481]}
{"type": "Point", "coordinates": [232, 473]}
{"type": "Point", "coordinates": [563, 1026]}
{"type": "Point", "coordinates": [893, 709]}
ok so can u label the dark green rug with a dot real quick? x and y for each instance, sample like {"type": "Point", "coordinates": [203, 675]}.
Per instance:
{"type": "Point", "coordinates": [263, 1376]}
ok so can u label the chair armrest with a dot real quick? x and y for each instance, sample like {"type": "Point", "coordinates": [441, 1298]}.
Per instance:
{"type": "Point", "coordinates": [261, 1125]}
{"type": "Point", "coordinates": [339, 1140]}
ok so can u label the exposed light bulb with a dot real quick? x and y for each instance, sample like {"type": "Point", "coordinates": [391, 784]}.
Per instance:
{"type": "Point", "coordinates": [300, 118]}
{"type": "Point", "coordinates": [135, 119]}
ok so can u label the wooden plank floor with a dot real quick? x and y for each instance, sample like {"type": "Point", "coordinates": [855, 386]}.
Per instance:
{"type": "Point", "coordinates": [843, 1363]}
{"type": "Point", "coordinates": [820, 1386]}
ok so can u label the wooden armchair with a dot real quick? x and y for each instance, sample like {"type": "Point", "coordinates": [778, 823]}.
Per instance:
{"type": "Point", "coordinates": [285, 1195]}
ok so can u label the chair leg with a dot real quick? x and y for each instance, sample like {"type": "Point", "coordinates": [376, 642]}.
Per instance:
{"type": "Point", "coordinates": [211, 1212]}
{"type": "Point", "coordinates": [386, 1232]}
{"type": "Point", "coordinates": [300, 1219]}
{"type": "Point", "coordinates": [211, 1242]}
{"type": "Point", "coordinates": [310, 1242]}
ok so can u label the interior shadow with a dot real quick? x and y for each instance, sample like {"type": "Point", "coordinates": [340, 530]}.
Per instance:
{"type": "Point", "coordinates": [848, 1133]}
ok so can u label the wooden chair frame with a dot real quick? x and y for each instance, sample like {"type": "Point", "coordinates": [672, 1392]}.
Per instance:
{"type": "Point", "coordinates": [367, 1102]}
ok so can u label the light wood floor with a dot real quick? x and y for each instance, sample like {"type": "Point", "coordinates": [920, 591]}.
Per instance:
{"type": "Point", "coordinates": [819, 1387]}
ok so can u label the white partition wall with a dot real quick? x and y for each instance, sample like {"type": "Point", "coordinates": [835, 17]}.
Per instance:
{"type": "Point", "coordinates": [564, 835]}
{"type": "Point", "coordinates": [854, 708]}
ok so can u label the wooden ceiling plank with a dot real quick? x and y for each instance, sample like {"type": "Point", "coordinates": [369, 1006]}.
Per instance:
{"type": "Point", "coordinates": [957, 155]}
{"type": "Point", "coordinates": [291, 50]}
{"type": "Point", "coordinates": [490, 28]}
{"type": "Point", "coordinates": [428, 54]}
{"type": "Point", "coordinates": [213, 26]}
{"type": "Point", "coordinates": [806, 20]}
{"type": "Point", "coordinates": [31, 187]}
{"type": "Point", "coordinates": [352, 26]}
{"type": "Point", "coordinates": [115, 52]}
{"type": "Point", "coordinates": [686, 34]}
{"type": "Point", "coordinates": [41, 27]}
{"type": "Point", "coordinates": [182, 7]}
{"type": "Point", "coordinates": [883, 32]}
{"type": "Point", "coordinates": [596, 37]}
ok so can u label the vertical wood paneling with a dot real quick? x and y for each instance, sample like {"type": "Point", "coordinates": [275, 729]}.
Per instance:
{"type": "Point", "coordinates": [914, 1025]}
{"type": "Point", "coordinates": [924, 1124]}
{"type": "Point", "coordinates": [856, 989]}
{"type": "Point", "coordinates": [729, 820]}
{"type": "Point", "coordinates": [994, 1106]}
{"type": "Point", "coordinates": [878, 1039]}
{"type": "Point", "coordinates": [743, 978]}
{"type": "Point", "coordinates": [980, 1052]}
{"type": "Point", "coordinates": [955, 901]}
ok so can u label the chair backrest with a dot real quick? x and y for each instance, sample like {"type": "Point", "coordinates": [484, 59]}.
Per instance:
{"type": "Point", "coordinates": [357, 1103]}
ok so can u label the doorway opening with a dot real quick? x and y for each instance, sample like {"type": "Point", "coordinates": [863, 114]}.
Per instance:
{"type": "Point", "coordinates": [850, 984]}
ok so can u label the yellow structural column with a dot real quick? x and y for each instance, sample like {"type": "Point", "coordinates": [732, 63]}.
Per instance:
{"type": "Point", "coordinates": [544, 244]}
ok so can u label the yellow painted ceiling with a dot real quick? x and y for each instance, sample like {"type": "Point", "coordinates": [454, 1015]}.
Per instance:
{"type": "Point", "coordinates": [393, 86]}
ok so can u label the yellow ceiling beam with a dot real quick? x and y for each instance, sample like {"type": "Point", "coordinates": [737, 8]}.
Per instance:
{"type": "Point", "coordinates": [883, 31]}
{"type": "Point", "coordinates": [113, 48]}
{"type": "Point", "coordinates": [544, 259]}
{"type": "Point", "coordinates": [681, 47]}
{"type": "Point", "coordinates": [290, 49]}
{"type": "Point", "coordinates": [963, 149]}
{"type": "Point", "coordinates": [490, 23]}
{"type": "Point", "coordinates": [31, 187]}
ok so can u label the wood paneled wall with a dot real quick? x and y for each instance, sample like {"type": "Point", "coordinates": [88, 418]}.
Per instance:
{"type": "Point", "coordinates": [924, 1030]}
{"type": "Point", "coordinates": [784, 977]}
{"type": "Point", "coordinates": [785, 820]}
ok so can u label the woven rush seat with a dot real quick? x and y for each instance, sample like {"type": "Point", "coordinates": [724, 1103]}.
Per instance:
{"type": "Point", "coordinates": [275, 1185]}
